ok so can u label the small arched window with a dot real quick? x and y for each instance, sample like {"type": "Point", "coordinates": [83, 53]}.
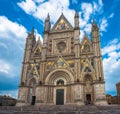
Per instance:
{"type": "Point", "coordinates": [60, 82]}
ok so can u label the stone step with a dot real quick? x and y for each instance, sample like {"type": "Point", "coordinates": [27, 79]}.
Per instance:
{"type": "Point", "coordinates": [89, 109]}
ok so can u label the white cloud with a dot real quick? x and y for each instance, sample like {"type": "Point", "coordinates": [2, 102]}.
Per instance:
{"type": "Point", "coordinates": [11, 30]}
{"type": "Point", "coordinates": [39, 1]}
{"type": "Point", "coordinates": [111, 46]}
{"type": "Point", "coordinates": [40, 8]}
{"type": "Point", "coordinates": [87, 10]}
{"type": "Point", "coordinates": [5, 67]}
{"type": "Point", "coordinates": [98, 7]}
{"type": "Point", "coordinates": [29, 6]}
{"type": "Point", "coordinates": [81, 35]}
{"type": "Point", "coordinates": [53, 7]}
{"type": "Point", "coordinates": [111, 64]}
{"type": "Point", "coordinates": [38, 36]}
{"type": "Point", "coordinates": [3, 45]}
{"type": "Point", "coordinates": [11, 93]}
{"type": "Point", "coordinates": [9, 70]}
{"type": "Point", "coordinates": [111, 15]}
{"type": "Point", "coordinates": [104, 24]}
{"type": "Point", "coordinates": [87, 28]}
{"type": "Point", "coordinates": [100, 3]}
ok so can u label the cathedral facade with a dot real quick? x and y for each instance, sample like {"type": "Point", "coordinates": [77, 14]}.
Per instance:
{"type": "Point", "coordinates": [62, 70]}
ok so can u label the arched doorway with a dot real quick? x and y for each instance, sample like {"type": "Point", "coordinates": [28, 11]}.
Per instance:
{"type": "Point", "coordinates": [58, 80]}
{"type": "Point", "coordinates": [88, 89]}
{"type": "Point", "coordinates": [32, 96]}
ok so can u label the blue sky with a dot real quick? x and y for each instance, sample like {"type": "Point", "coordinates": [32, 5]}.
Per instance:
{"type": "Point", "coordinates": [17, 17]}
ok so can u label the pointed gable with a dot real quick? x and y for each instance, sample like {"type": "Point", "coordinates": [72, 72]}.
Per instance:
{"type": "Point", "coordinates": [86, 45]}
{"type": "Point", "coordinates": [62, 24]}
{"type": "Point", "coordinates": [60, 63]}
{"type": "Point", "coordinates": [34, 69]}
{"type": "Point", "coordinates": [87, 67]}
{"type": "Point", "coordinates": [37, 49]}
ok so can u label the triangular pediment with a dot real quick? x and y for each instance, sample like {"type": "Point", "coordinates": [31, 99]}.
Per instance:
{"type": "Point", "coordinates": [62, 24]}
{"type": "Point", "coordinates": [37, 52]}
{"type": "Point", "coordinates": [86, 45]}
{"type": "Point", "coordinates": [37, 49]}
{"type": "Point", "coordinates": [87, 66]}
{"type": "Point", "coordinates": [34, 69]}
{"type": "Point", "coordinates": [85, 39]}
{"type": "Point", "coordinates": [60, 63]}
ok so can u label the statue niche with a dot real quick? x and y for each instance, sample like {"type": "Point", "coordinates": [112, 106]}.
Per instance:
{"type": "Point", "coordinates": [88, 83]}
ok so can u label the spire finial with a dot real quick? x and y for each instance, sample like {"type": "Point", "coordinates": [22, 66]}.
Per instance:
{"type": "Point", "coordinates": [94, 22]}
{"type": "Point", "coordinates": [76, 13]}
{"type": "Point", "coordinates": [48, 17]}
{"type": "Point", "coordinates": [85, 33]}
{"type": "Point", "coordinates": [32, 30]}
{"type": "Point", "coordinates": [38, 38]}
{"type": "Point", "coordinates": [62, 10]}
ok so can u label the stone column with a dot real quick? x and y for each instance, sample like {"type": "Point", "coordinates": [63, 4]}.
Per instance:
{"type": "Point", "coordinates": [41, 92]}
{"type": "Point", "coordinates": [23, 96]}
{"type": "Point", "coordinates": [99, 92]}
{"type": "Point", "coordinates": [78, 96]}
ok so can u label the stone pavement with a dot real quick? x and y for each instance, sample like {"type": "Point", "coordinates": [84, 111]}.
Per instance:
{"type": "Point", "coordinates": [65, 109]}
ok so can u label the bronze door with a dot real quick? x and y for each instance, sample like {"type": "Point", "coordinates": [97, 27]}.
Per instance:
{"type": "Point", "coordinates": [60, 97]}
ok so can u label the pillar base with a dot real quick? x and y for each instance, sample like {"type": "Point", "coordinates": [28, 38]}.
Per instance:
{"type": "Point", "coordinates": [102, 103]}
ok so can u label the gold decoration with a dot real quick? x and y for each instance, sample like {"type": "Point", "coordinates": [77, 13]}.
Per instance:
{"type": "Point", "coordinates": [85, 46]}
{"type": "Point", "coordinates": [70, 61]}
{"type": "Point", "coordinates": [60, 63]}
{"type": "Point", "coordinates": [34, 69]}
{"type": "Point", "coordinates": [49, 65]}
{"type": "Point", "coordinates": [38, 48]}
{"type": "Point", "coordinates": [61, 25]}
{"type": "Point", "coordinates": [86, 64]}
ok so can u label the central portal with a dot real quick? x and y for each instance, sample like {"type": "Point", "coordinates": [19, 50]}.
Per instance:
{"type": "Point", "coordinates": [60, 97]}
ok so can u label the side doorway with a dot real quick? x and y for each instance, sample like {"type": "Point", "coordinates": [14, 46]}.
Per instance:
{"type": "Point", "coordinates": [32, 88]}
{"type": "Point", "coordinates": [33, 100]}
{"type": "Point", "coordinates": [88, 99]}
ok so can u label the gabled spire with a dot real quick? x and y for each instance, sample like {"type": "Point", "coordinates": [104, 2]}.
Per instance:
{"type": "Point", "coordinates": [95, 32]}
{"type": "Point", "coordinates": [48, 17]}
{"type": "Point", "coordinates": [62, 24]}
{"type": "Point", "coordinates": [76, 14]}
{"type": "Point", "coordinates": [39, 41]}
{"type": "Point", "coordinates": [94, 22]}
{"type": "Point", "coordinates": [76, 20]}
{"type": "Point", "coordinates": [47, 23]}
{"type": "Point", "coordinates": [32, 36]}
{"type": "Point", "coordinates": [32, 30]}
{"type": "Point", "coordinates": [94, 25]}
